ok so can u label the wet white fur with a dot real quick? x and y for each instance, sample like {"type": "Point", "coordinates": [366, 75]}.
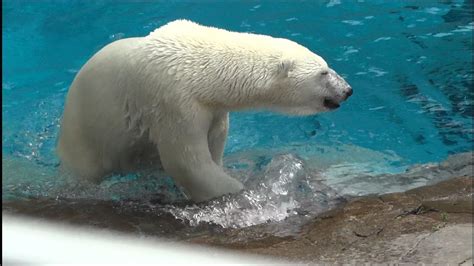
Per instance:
{"type": "Point", "coordinates": [171, 92]}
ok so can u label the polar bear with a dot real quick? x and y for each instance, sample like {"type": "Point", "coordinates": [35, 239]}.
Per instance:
{"type": "Point", "coordinates": [164, 99]}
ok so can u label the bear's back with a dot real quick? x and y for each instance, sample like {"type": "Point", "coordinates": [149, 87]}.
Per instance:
{"type": "Point", "coordinates": [185, 33]}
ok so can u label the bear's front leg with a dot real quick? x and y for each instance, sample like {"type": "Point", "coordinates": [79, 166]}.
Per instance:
{"type": "Point", "coordinates": [217, 136]}
{"type": "Point", "coordinates": [184, 153]}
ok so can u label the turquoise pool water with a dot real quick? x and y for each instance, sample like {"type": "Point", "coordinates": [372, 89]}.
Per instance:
{"type": "Point", "coordinates": [409, 62]}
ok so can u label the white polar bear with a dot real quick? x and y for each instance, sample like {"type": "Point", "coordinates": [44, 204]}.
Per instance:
{"type": "Point", "coordinates": [164, 100]}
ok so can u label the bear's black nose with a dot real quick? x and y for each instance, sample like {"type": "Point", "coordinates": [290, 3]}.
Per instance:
{"type": "Point", "coordinates": [348, 92]}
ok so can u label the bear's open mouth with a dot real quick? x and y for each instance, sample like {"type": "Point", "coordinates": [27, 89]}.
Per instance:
{"type": "Point", "coordinates": [330, 103]}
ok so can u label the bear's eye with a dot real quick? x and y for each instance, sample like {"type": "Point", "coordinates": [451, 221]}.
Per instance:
{"type": "Point", "coordinates": [324, 73]}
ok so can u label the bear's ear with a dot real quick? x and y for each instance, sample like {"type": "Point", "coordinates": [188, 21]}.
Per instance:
{"type": "Point", "coordinates": [285, 66]}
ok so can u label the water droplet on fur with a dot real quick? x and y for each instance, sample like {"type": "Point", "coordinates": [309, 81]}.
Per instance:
{"type": "Point", "coordinates": [172, 71]}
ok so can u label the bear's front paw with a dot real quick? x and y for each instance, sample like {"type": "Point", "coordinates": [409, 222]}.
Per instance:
{"type": "Point", "coordinates": [234, 186]}
{"type": "Point", "coordinates": [222, 187]}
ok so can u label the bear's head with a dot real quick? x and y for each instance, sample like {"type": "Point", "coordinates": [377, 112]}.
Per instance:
{"type": "Point", "coordinates": [308, 86]}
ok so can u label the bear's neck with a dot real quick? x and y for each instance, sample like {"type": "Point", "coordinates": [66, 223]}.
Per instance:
{"type": "Point", "coordinates": [236, 84]}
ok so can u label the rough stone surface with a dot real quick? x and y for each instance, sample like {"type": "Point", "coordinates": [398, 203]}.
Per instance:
{"type": "Point", "coordinates": [430, 224]}
{"type": "Point", "coordinates": [451, 244]}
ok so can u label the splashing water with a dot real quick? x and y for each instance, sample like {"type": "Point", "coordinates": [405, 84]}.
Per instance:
{"type": "Point", "coordinates": [287, 187]}
{"type": "Point", "coordinates": [284, 187]}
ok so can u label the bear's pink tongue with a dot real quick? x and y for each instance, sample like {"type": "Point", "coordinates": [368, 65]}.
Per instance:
{"type": "Point", "coordinates": [330, 104]}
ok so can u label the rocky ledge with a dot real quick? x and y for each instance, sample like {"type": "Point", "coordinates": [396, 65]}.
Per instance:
{"type": "Point", "coordinates": [431, 224]}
